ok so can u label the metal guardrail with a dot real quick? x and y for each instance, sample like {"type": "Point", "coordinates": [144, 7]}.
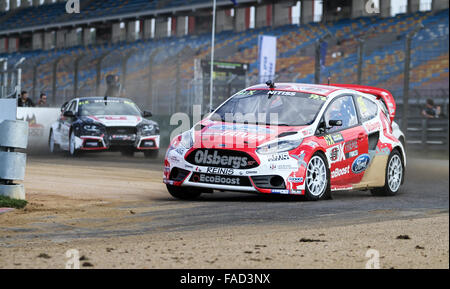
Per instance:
{"type": "Point", "coordinates": [428, 134]}
{"type": "Point", "coordinates": [13, 135]}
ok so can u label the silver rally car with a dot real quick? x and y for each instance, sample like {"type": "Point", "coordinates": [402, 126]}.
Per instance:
{"type": "Point", "coordinates": [104, 124]}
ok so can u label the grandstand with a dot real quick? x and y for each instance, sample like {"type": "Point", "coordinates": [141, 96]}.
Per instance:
{"type": "Point", "coordinates": [159, 64]}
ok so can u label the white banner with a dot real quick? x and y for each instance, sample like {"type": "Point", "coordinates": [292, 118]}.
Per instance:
{"type": "Point", "coordinates": [39, 121]}
{"type": "Point", "coordinates": [267, 57]}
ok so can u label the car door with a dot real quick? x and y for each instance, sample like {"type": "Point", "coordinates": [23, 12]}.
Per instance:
{"type": "Point", "coordinates": [346, 144]}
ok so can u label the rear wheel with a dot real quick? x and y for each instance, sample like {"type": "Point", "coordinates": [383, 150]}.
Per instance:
{"type": "Point", "coordinates": [394, 176]}
{"type": "Point", "coordinates": [183, 193]}
{"type": "Point", "coordinates": [52, 146]}
{"type": "Point", "coordinates": [317, 185]}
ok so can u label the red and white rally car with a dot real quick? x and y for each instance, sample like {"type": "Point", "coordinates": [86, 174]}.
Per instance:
{"type": "Point", "coordinates": [290, 138]}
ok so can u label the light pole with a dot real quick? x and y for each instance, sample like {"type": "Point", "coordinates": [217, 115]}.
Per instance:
{"type": "Point", "coordinates": [406, 78]}
{"type": "Point", "coordinates": [211, 77]}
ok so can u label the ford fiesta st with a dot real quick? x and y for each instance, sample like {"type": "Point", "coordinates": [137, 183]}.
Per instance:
{"type": "Point", "coordinates": [294, 139]}
{"type": "Point", "coordinates": [99, 124]}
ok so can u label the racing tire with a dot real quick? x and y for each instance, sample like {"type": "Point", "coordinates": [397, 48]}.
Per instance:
{"type": "Point", "coordinates": [183, 193]}
{"type": "Point", "coordinates": [52, 146]}
{"type": "Point", "coordinates": [395, 172]}
{"type": "Point", "coordinates": [73, 151]}
{"type": "Point", "coordinates": [317, 181]}
{"type": "Point", "coordinates": [151, 154]}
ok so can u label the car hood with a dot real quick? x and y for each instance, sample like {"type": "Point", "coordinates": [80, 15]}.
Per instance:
{"type": "Point", "coordinates": [235, 135]}
{"type": "Point", "coordinates": [115, 120]}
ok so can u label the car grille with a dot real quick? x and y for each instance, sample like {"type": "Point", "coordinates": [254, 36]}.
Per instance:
{"type": "Point", "coordinates": [121, 130]}
{"type": "Point", "coordinates": [121, 136]}
{"type": "Point", "coordinates": [221, 158]}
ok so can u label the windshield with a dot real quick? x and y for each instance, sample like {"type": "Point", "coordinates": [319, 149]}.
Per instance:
{"type": "Point", "coordinates": [282, 108]}
{"type": "Point", "coordinates": [109, 107]}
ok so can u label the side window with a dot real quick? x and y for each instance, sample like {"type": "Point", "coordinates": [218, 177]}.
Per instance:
{"type": "Point", "coordinates": [367, 108]}
{"type": "Point", "coordinates": [343, 108]}
{"type": "Point", "coordinates": [72, 106]}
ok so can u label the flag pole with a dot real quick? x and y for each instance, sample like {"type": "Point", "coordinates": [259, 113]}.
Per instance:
{"type": "Point", "coordinates": [211, 80]}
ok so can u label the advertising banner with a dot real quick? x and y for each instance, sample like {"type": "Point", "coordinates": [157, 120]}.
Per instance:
{"type": "Point", "coordinates": [39, 121]}
{"type": "Point", "coordinates": [267, 57]}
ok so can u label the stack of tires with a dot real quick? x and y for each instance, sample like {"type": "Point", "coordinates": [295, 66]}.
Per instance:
{"type": "Point", "coordinates": [13, 136]}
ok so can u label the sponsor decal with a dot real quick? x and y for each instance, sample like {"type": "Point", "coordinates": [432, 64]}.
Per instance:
{"type": "Point", "coordinates": [351, 154]}
{"type": "Point", "coordinates": [333, 138]}
{"type": "Point", "coordinates": [336, 153]}
{"type": "Point", "coordinates": [280, 92]}
{"type": "Point", "coordinates": [350, 146]}
{"type": "Point", "coordinates": [278, 157]}
{"type": "Point", "coordinates": [300, 159]}
{"type": "Point", "coordinates": [295, 180]}
{"type": "Point", "coordinates": [383, 151]}
{"type": "Point", "coordinates": [220, 171]}
{"type": "Point", "coordinates": [361, 164]}
{"type": "Point", "coordinates": [372, 126]}
{"type": "Point", "coordinates": [282, 192]}
{"type": "Point", "coordinates": [174, 159]}
{"type": "Point", "coordinates": [340, 172]}
{"type": "Point", "coordinates": [204, 157]}
{"type": "Point", "coordinates": [337, 188]}
{"type": "Point", "coordinates": [284, 167]}
{"type": "Point", "coordinates": [219, 180]}
{"type": "Point", "coordinates": [34, 129]}
{"type": "Point", "coordinates": [251, 172]}
{"type": "Point", "coordinates": [180, 150]}
{"type": "Point", "coordinates": [337, 137]}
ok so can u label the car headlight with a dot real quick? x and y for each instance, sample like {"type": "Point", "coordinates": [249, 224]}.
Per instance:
{"type": "Point", "coordinates": [279, 146]}
{"type": "Point", "coordinates": [187, 139]}
{"type": "Point", "coordinates": [147, 128]}
{"type": "Point", "coordinates": [92, 128]}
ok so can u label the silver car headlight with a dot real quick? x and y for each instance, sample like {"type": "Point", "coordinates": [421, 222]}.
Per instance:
{"type": "Point", "coordinates": [187, 140]}
{"type": "Point", "coordinates": [279, 146]}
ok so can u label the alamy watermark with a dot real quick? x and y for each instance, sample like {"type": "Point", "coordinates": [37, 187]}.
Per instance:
{"type": "Point", "coordinates": [73, 261]}
{"type": "Point", "coordinates": [374, 259]}
{"type": "Point", "coordinates": [371, 8]}
{"type": "Point", "coordinates": [73, 6]}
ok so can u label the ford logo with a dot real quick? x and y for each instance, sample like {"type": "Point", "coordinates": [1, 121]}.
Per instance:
{"type": "Point", "coordinates": [361, 164]}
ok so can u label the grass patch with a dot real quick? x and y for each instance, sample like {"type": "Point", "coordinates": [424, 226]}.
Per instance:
{"type": "Point", "coordinates": [6, 202]}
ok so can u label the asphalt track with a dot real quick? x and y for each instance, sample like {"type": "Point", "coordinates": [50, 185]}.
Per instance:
{"type": "Point", "coordinates": [425, 193]}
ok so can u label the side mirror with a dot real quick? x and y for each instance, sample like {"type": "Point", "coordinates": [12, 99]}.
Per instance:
{"type": "Point", "coordinates": [147, 113]}
{"type": "Point", "coordinates": [69, 113]}
{"type": "Point", "coordinates": [335, 122]}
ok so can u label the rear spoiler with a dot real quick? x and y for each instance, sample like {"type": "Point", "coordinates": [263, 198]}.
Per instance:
{"type": "Point", "coordinates": [381, 94]}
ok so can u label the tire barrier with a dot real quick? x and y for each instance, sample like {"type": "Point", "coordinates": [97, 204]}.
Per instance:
{"type": "Point", "coordinates": [13, 136]}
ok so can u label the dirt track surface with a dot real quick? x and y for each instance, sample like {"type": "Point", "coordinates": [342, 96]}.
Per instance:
{"type": "Point", "coordinates": [117, 213]}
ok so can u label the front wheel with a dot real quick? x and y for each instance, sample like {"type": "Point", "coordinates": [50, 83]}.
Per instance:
{"type": "Point", "coordinates": [183, 193]}
{"type": "Point", "coordinates": [317, 185]}
{"type": "Point", "coordinates": [73, 151]}
{"type": "Point", "coordinates": [394, 176]}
